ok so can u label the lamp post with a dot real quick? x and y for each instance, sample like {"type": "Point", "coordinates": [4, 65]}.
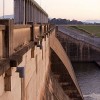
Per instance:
{"type": "Point", "coordinates": [3, 8]}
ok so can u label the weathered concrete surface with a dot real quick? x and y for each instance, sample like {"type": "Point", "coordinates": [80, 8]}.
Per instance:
{"type": "Point", "coordinates": [58, 49]}
{"type": "Point", "coordinates": [53, 90]}
{"type": "Point", "coordinates": [15, 93]}
{"type": "Point", "coordinates": [35, 73]}
{"type": "Point", "coordinates": [1, 44]}
{"type": "Point", "coordinates": [21, 37]}
{"type": "Point", "coordinates": [2, 29]}
{"type": "Point", "coordinates": [26, 73]}
{"type": "Point", "coordinates": [38, 84]}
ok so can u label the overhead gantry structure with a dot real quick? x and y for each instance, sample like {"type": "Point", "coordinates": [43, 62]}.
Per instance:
{"type": "Point", "coordinates": [28, 11]}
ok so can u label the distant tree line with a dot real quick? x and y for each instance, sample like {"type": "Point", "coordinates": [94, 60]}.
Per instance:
{"type": "Point", "coordinates": [60, 21]}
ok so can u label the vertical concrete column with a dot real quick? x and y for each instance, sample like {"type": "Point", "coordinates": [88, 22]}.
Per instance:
{"type": "Point", "coordinates": [36, 15]}
{"type": "Point", "coordinates": [40, 29]}
{"type": "Point", "coordinates": [21, 71]}
{"type": "Point", "coordinates": [20, 14]}
{"type": "Point", "coordinates": [43, 17]}
{"type": "Point", "coordinates": [39, 15]}
{"type": "Point", "coordinates": [21, 11]}
{"type": "Point", "coordinates": [7, 80]}
{"type": "Point", "coordinates": [56, 29]}
{"type": "Point", "coordinates": [16, 11]}
{"type": "Point", "coordinates": [30, 11]}
{"type": "Point", "coordinates": [47, 19]}
{"type": "Point", "coordinates": [33, 13]}
{"type": "Point", "coordinates": [25, 11]}
{"type": "Point", "coordinates": [88, 53]}
{"type": "Point", "coordinates": [7, 37]}
{"type": "Point", "coordinates": [81, 51]}
{"type": "Point", "coordinates": [45, 28]}
{"type": "Point", "coordinates": [32, 31]}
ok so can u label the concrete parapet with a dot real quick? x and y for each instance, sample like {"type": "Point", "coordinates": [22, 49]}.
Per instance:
{"type": "Point", "coordinates": [7, 37]}
{"type": "Point", "coordinates": [25, 74]}
{"type": "Point", "coordinates": [14, 37]}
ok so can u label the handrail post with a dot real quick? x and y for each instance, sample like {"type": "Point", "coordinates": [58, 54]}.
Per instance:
{"type": "Point", "coordinates": [40, 29]}
{"type": "Point", "coordinates": [32, 31]}
{"type": "Point", "coordinates": [7, 37]}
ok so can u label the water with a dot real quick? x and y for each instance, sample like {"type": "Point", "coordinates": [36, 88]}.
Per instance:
{"type": "Point", "coordinates": [88, 76]}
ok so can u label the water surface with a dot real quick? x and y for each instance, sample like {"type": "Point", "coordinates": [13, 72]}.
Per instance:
{"type": "Point", "coordinates": [88, 76]}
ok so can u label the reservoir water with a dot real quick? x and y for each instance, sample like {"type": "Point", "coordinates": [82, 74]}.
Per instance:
{"type": "Point", "coordinates": [88, 76]}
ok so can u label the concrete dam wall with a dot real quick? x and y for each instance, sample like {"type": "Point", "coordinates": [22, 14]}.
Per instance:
{"type": "Point", "coordinates": [26, 66]}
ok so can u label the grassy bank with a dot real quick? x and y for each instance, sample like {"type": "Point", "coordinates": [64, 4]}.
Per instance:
{"type": "Point", "coordinates": [93, 30]}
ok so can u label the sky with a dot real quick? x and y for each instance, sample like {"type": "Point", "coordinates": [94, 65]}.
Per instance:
{"type": "Point", "coordinates": [68, 9]}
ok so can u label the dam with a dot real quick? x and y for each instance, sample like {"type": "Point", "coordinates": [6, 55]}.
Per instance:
{"type": "Point", "coordinates": [35, 63]}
